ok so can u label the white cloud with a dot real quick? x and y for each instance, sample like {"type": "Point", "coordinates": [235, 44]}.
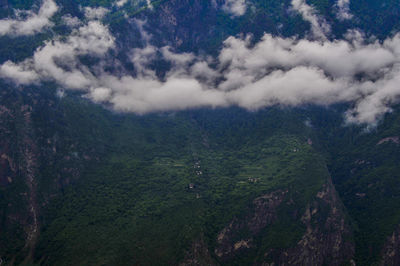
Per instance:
{"type": "Point", "coordinates": [344, 10]}
{"type": "Point", "coordinates": [58, 60]}
{"type": "Point", "coordinates": [99, 95]}
{"type": "Point", "coordinates": [149, 4]}
{"type": "Point", "coordinates": [294, 87]}
{"type": "Point", "coordinates": [71, 21]}
{"type": "Point", "coordinates": [19, 73]}
{"type": "Point", "coordinates": [274, 71]}
{"type": "Point", "coordinates": [93, 13]}
{"type": "Point", "coordinates": [121, 2]}
{"type": "Point", "coordinates": [60, 93]}
{"type": "Point", "coordinates": [319, 27]}
{"type": "Point", "coordinates": [235, 7]}
{"type": "Point", "coordinates": [287, 71]}
{"type": "Point", "coordinates": [28, 22]}
{"type": "Point", "coordinates": [142, 95]}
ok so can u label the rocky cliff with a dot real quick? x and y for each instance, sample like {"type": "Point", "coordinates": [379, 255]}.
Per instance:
{"type": "Point", "coordinates": [34, 167]}
{"type": "Point", "coordinates": [325, 240]}
{"type": "Point", "coordinates": [18, 173]}
{"type": "Point", "coordinates": [391, 249]}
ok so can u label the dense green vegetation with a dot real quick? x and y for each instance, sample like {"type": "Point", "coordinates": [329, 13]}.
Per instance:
{"type": "Point", "coordinates": [163, 180]}
{"type": "Point", "coordinates": [138, 193]}
{"type": "Point", "coordinates": [135, 188]}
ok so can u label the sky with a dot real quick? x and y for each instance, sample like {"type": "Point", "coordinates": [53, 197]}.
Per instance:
{"type": "Point", "coordinates": [275, 71]}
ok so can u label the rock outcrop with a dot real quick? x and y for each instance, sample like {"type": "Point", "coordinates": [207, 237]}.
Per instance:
{"type": "Point", "coordinates": [391, 249]}
{"type": "Point", "coordinates": [264, 214]}
{"type": "Point", "coordinates": [198, 255]}
{"type": "Point", "coordinates": [25, 149]}
{"type": "Point", "coordinates": [326, 239]}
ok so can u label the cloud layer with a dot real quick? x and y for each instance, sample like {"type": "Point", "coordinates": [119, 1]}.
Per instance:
{"type": "Point", "coordinates": [274, 71]}
{"type": "Point", "coordinates": [28, 22]}
{"type": "Point", "coordinates": [235, 7]}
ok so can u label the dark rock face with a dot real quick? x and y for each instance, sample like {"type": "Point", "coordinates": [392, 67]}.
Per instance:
{"type": "Point", "coordinates": [327, 239]}
{"type": "Point", "coordinates": [188, 23]}
{"type": "Point", "coordinates": [18, 171]}
{"type": "Point", "coordinates": [24, 149]}
{"type": "Point", "coordinates": [265, 213]}
{"type": "Point", "coordinates": [391, 249]}
{"type": "Point", "coordinates": [198, 255]}
{"type": "Point", "coordinates": [8, 170]}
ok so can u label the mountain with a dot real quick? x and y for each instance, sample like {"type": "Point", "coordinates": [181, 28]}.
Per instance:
{"type": "Point", "coordinates": [187, 132]}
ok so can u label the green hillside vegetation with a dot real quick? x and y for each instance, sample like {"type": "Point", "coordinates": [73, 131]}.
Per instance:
{"type": "Point", "coordinates": [366, 175]}
{"type": "Point", "coordinates": [163, 180]}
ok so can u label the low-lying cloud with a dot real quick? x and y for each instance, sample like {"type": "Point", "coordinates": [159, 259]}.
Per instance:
{"type": "Point", "coordinates": [120, 3]}
{"type": "Point", "coordinates": [235, 7]}
{"type": "Point", "coordinates": [58, 60]}
{"type": "Point", "coordinates": [274, 71]}
{"type": "Point", "coordinates": [319, 27]}
{"type": "Point", "coordinates": [28, 22]}
{"type": "Point", "coordinates": [344, 10]}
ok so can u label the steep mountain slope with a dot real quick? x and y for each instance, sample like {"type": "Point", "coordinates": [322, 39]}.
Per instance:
{"type": "Point", "coordinates": [181, 177]}
{"type": "Point", "coordinates": [165, 179]}
{"type": "Point", "coordinates": [365, 170]}
{"type": "Point", "coordinates": [29, 157]}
